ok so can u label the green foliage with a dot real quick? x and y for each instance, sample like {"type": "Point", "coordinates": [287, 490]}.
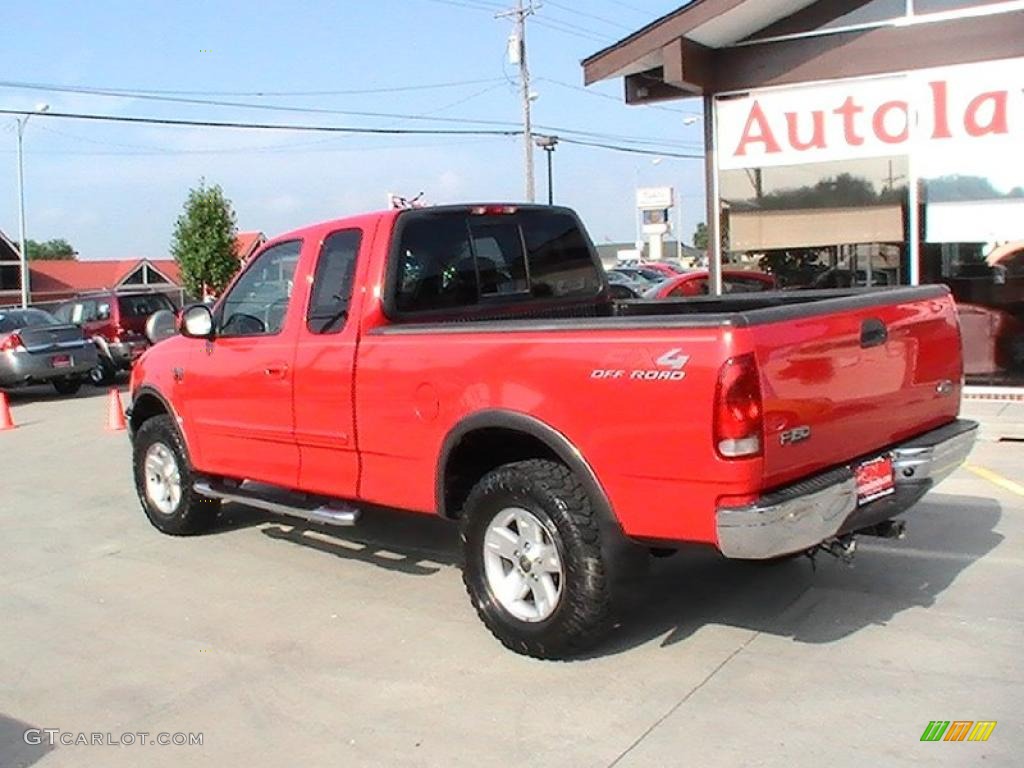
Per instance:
{"type": "Point", "coordinates": [204, 240]}
{"type": "Point", "coordinates": [700, 237]}
{"type": "Point", "coordinates": [57, 249]}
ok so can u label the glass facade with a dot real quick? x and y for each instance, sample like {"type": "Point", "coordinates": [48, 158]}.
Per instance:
{"type": "Point", "coordinates": [897, 180]}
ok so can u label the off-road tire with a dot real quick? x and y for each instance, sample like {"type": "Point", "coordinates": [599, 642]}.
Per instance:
{"type": "Point", "coordinates": [194, 513]}
{"type": "Point", "coordinates": [67, 386]}
{"type": "Point", "coordinates": [555, 496]}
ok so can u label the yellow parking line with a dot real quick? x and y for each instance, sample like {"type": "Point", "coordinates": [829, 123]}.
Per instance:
{"type": "Point", "coordinates": [996, 479]}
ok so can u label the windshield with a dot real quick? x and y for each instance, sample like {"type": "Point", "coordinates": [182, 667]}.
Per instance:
{"type": "Point", "coordinates": [13, 319]}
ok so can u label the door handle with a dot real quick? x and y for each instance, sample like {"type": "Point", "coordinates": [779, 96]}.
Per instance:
{"type": "Point", "coordinates": [276, 371]}
{"type": "Point", "coordinates": [873, 333]}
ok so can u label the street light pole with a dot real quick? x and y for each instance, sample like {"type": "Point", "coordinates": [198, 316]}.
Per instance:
{"type": "Point", "coordinates": [23, 241]}
{"type": "Point", "coordinates": [548, 144]}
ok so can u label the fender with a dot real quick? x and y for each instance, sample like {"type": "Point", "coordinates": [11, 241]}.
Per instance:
{"type": "Point", "coordinates": [147, 390]}
{"type": "Point", "coordinates": [558, 443]}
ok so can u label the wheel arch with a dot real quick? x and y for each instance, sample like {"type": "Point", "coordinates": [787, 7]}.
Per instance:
{"type": "Point", "coordinates": [487, 439]}
{"type": "Point", "coordinates": [147, 402]}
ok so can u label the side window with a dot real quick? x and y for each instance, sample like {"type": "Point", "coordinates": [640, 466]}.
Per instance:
{"type": "Point", "coordinates": [435, 267]}
{"type": "Point", "coordinates": [63, 313]}
{"type": "Point", "coordinates": [697, 287]}
{"type": "Point", "coordinates": [103, 310]}
{"type": "Point", "coordinates": [256, 305]}
{"type": "Point", "coordinates": [332, 282]}
{"type": "Point", "coordinates": [85, 311]}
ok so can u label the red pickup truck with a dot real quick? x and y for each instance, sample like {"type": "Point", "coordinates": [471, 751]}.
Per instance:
{"type": "Point", "coordinates": [467, 362]}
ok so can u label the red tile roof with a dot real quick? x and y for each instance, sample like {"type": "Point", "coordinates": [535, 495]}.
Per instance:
{"type": "Point", "coordinates": [63, 277]}
{"type": "Point", "coordinates": [247, 242]}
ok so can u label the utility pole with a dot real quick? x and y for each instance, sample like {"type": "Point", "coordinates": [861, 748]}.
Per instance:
{"type": "Point", "coordinates": [23, 242]}
{"type": "Point", "coordinates": [517, 54]}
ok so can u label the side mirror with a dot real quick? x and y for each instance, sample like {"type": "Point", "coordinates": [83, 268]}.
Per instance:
{"type": "Point", "coordinates": [197, 322]}
{"type": "Point", "coordinates": [161, 325]}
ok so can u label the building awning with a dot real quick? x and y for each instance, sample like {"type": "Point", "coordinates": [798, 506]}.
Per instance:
{"type": "Point", "coordinates": [715, 46]}
{"type": "Point", "coordinates": [814, 227]}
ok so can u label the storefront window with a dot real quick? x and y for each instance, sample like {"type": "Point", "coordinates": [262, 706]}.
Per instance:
{"type": "Point", "coordinates": [972, 235]}
{"type": "Point", "coordinates": [821, 225]}
{"type": "Point", "coordinates": [938, 6]}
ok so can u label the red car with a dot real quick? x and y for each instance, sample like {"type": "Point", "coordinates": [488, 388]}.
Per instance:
{"type": "Point", "coordinates": [993, 340]}
{"type": "Point", "coordinates": [468, 362]}
{"type": "Point", "coordinates": [696, 284]}
{"type": "Point", "coordinates": [116, 323]}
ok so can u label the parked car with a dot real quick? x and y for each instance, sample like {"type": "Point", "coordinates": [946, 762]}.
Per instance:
{"type": "Point", "coordinates": [639, 274]}
{"type": "Point", "coordinates": [35, 348]}
{"type": "Point", "coordinates": [116, 322]}
{"type": "Point", "coordinates": [474, 346]}
{"type": "Point", "coordinates": [696, 284]}
{"type": "Point", "coordinates": [993, 340]}
{"type": "Point", "coordinates": [622, 287]}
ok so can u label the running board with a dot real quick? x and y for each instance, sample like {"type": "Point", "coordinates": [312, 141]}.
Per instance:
{"type": "Point", "coordinates": [280, 502]}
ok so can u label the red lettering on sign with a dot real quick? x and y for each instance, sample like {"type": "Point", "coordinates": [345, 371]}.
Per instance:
{"type": "Point", "coordinates": [997, 121]}
{"type": "Point", "coordinates": [849, 111]}
{"type": "Point", "coordinates": [817, 138]}
{"type": "Point", "coordinates": [878, 123]}
{"type": "Point", "coordinates": [940, 114]}
{"type": "Point", "coordinates": [764, 134]}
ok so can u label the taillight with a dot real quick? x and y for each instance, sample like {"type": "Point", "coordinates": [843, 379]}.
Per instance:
{"type": "Point", "coordinates": [738, 413]}
{"type": "Point", "coordinates": [11, 342]}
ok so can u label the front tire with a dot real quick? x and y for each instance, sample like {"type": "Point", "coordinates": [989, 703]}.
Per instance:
{"type": "Point", "coordinates": [534, 566]}
{"type": "Point", "coordinates": [163, 480]}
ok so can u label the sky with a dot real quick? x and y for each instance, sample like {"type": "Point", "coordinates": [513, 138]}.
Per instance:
{"type": "Point", "coordinates": [114, 190]}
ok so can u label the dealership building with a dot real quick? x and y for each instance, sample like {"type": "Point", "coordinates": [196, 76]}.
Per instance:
{"type": "Point", "coordinates": [858, 143]}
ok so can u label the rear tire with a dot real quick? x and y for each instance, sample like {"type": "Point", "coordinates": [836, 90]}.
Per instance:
{"type": "Point", "coordinates": [102, 374]}
{"type": "Point", "coordinates": [68, 386]}
{"type": "Point", "coordinates": [539, 581]}
{"type": "Point", "coordinates": [163, 480]}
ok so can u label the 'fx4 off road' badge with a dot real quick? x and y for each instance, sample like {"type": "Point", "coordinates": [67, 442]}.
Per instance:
{"type": "Point", "coordinates": [670, 368]}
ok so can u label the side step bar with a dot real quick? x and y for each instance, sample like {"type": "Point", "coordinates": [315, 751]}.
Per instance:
{"type": "Point", "coordinates": [280, 502]}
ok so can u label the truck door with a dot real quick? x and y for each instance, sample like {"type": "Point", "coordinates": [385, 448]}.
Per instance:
{"type": "Point", "coordinates": [239, 385]}
{"type": "Point", "coordinates": [325, 359]}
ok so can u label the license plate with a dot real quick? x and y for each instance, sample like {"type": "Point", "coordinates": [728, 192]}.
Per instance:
{"type": "Point", "coordinates": [61, 361]}
{"type": "Point", "coordinates": [874, 479]}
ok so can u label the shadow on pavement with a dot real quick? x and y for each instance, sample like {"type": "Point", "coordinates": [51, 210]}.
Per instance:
{"type": "Point", "coordinates": [818, 602]}
{"type": "Point", "coordinates": [812, 602]}
{"type": "Point", "coordinates": [418, 545]}
{"type": "Point", "coordinates": [41, 393]}
{"type": "Point", "coordinates": [14, 752]}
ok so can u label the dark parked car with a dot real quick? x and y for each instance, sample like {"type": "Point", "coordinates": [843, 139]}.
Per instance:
{"type": "Point", "coordinates": [116, 322]}
{"type": "Point", "coordinates": [37, 349]}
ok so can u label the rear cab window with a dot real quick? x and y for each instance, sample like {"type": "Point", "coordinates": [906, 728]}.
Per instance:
{"type": "Point", "coordinates": [142, 305]}
{"type": "Point", "coordinates": [472, 259]}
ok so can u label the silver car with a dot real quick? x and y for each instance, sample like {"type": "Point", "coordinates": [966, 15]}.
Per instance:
{"type": "Point", "coordinates": [37, 349]}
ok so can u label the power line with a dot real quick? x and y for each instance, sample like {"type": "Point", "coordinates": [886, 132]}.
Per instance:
{"type": "Point", "coordinates": [123, 94]}
{"type": "Point", "coordinates": [632, 150]}
{"type": "Point", "coordinates": [587, 15]}
{"type": "Point", "coordinates": [616, 99]}
{"type": "Point", "coordinates": [335, 129]}
{"type": "Point", "coordinates": [297, 94]}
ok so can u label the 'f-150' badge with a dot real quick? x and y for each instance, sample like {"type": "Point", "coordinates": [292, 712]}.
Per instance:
{"type": "Point", "coordinates": [794, 435]}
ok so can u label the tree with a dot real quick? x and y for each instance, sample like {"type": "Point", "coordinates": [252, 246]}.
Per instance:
{"type": "Point", "coordinates": [700, 237]}
{"type": "Point", "coordinates": [58, 249]}
{"type": "Point", "coordinates": [204, 241]}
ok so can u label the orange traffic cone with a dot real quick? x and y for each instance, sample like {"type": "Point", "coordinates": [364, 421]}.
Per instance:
{"type": "Point", "coordinates": [115, 412]}
{"type": "Point", "coordinates": [6, 420]}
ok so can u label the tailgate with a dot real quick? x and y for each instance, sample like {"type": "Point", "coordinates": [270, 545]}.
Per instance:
{"type": "Point", "coordinates": [854, 378]}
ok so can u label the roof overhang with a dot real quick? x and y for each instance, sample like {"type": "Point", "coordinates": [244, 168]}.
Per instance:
{"type": "Point", "coordinates": [709, 46]}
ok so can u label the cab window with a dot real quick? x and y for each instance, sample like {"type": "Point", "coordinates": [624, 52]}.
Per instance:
{"type": "Point", "coordinates": [257, 303]}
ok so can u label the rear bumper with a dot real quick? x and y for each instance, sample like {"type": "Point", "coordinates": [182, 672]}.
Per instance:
{"type": "Point", "coordinates": [803, 515]}
{"type": "Point", "coordinates": [121, 354]}
{"type": "Point", "coordinates": [19, 368]}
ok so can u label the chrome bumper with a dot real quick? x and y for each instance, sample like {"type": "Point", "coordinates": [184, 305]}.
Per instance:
{"type": "Point", "coordinates": [803, 515]}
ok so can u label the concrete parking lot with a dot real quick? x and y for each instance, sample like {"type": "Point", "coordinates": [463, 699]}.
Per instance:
{"type": "Point", "coordinates": [284, 646]}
